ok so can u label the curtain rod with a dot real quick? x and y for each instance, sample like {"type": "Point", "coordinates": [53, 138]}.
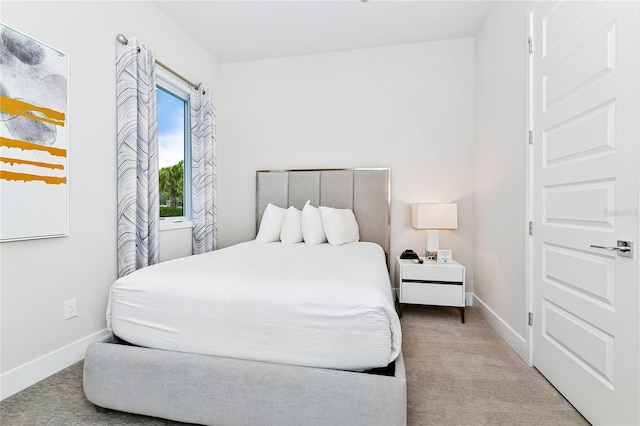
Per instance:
{"type": "Point", "coordinates": [122, 39]}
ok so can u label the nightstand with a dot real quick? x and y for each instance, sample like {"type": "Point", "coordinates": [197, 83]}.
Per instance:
{"type": "Point", "coordinates": [431, 283]}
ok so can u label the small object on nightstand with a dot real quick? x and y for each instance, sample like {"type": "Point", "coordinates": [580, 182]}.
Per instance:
{"type": "Point", "coordinates": [410, 254]}
{"type": "Point", "coordinates": [444, 256]}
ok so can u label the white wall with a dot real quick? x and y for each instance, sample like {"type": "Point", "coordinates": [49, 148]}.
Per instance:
{"type": "Point", "coordinates": [500, 173]}
{"type": "Point", "coordinates": [408, 107]}
{"type": "Point", "coordinates": [37, 276]}
{"type": "Point", "coordinates": [175, 243]}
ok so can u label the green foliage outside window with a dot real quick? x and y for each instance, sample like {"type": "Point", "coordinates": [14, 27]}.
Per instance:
{"type": "Point", "coordinates": [171, 183]}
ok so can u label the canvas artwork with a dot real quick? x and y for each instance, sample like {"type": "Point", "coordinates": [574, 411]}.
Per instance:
{"type": "Point", "coordinates": [34, 138]}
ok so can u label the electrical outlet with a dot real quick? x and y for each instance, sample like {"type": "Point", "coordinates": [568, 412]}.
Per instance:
{"type": "Point", "coordinates": [70, 309]}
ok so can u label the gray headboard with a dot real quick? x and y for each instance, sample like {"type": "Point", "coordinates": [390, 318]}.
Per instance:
{"type": "Point", "coordinates": [365, 191]}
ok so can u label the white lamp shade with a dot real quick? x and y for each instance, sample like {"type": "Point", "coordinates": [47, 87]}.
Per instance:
{"type": "Point", "coordinates": [434, 216]}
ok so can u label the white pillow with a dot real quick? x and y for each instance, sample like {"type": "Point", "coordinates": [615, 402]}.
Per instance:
{"type": "Point", "coordinates": [291, 231]}
{"type": "Point", "coordinates": [271, 224]}
{"type": "Point", "coordinates": [312, 229]}
{"type": "Point", "coordinates": [339, 225]}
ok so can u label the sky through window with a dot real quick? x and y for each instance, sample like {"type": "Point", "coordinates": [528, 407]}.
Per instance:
{"type": "Point", "coordinates": [171, 111]}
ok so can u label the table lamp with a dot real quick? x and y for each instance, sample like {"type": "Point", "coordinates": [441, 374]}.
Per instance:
{"type": "Point", "coordinates": [434, 217]}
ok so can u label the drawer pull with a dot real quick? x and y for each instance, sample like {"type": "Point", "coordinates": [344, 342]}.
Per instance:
{"type": "Point", "coordinates": [432, 282]}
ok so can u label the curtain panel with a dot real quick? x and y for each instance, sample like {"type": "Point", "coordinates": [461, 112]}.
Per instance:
{"type": "Point", "coordinates": [137, 126]}
{"type": "Point", "coordinates": [203, 172]}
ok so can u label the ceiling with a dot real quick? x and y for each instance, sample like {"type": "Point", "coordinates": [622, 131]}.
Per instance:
{"type": "Point", "coordinates": [234, 31]}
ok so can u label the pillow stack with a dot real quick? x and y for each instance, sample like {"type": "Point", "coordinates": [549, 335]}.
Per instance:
{"type": "Point", "coordinates": [313, 225]}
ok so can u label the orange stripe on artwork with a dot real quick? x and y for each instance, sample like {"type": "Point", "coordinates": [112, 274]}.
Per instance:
{"type": "Point", "coordinates": [25, 109]}
{"type": "Point", "coordinates": [31, 163]}
{"type": "Point", "coordinates": [13, 143]}
{"type": "Point", "coordinates": [50, 180]}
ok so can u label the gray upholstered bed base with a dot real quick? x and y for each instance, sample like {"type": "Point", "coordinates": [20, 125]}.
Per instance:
{"type": "Point", "coordinates": [224, 391]}
{"type": "Point", "coordinates": [213, 390]}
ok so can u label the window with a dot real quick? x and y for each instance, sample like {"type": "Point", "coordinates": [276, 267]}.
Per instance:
{"type": "Point", "coordinates": [174, 149]}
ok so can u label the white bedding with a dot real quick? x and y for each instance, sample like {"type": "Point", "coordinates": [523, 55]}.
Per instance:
{"type": "Point", "coordinates": [317, 306]}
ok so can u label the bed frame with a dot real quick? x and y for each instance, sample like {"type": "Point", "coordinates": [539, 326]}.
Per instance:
{"type": "Point", "coordinates": [207, 389]}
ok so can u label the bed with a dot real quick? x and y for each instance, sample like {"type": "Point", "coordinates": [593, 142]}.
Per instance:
{"type": "Point", "coordinates": [242, 377]}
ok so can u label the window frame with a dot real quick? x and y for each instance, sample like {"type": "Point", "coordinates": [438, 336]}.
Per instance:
{"type": "Point", "coordinates": [170, 84]}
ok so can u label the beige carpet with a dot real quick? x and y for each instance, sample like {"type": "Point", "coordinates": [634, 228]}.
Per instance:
{"type": "Point", "coordinates": [464, 374]}
{"type": "Point", "coordinates": [457, 374]}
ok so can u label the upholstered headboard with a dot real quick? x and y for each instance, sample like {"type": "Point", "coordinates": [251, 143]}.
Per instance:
{"type": "Point", "coordinates": [365, 191]}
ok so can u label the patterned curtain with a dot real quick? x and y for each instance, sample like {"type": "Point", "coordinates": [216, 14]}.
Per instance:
{"type": "Point", "coordinates": [203, 173]}
{"type": "Point", "coordinates": [138, 206]}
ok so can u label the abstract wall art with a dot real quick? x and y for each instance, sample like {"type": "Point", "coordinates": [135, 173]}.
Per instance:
{"type": "Point", "coordinates": [34, 138]}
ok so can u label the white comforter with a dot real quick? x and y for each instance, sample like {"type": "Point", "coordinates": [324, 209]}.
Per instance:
{"type": "Point", "coordinates": [318, 306]}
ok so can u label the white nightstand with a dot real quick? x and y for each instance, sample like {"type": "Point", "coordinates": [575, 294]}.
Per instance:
{"type": "Point", "coordinates": [430, 283]}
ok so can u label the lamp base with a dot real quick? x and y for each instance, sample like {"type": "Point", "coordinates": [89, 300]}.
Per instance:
{"type": "Point", "coordinates": [433, 244]}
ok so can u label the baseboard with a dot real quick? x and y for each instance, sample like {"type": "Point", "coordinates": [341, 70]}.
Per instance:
{"type": "Point", "coordinates": [19, 378]}
{"type": "Point", "coordinates": [508, 334]}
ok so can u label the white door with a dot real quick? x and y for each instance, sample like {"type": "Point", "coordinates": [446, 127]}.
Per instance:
{"type": "Point", "coordinates": [585, 115]}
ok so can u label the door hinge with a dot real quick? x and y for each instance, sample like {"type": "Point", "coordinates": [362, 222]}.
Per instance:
{"type": "Point", "coordinates": [530, 318]}
{"type": "Point", "coordinates": [530, 228]}
{"type": "Point", "coordinates": [530, 137]}
{"type": "Point", "coordinates": [530, 41]}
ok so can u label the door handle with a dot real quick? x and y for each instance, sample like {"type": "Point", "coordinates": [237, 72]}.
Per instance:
{"type": "Point", "coordinates": [624, 248]}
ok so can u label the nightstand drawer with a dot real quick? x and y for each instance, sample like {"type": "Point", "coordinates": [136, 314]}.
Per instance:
{"type": "Point", "coordinates": [453, 273]}
{"type": "Point", "coordinates": [432, 294]}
